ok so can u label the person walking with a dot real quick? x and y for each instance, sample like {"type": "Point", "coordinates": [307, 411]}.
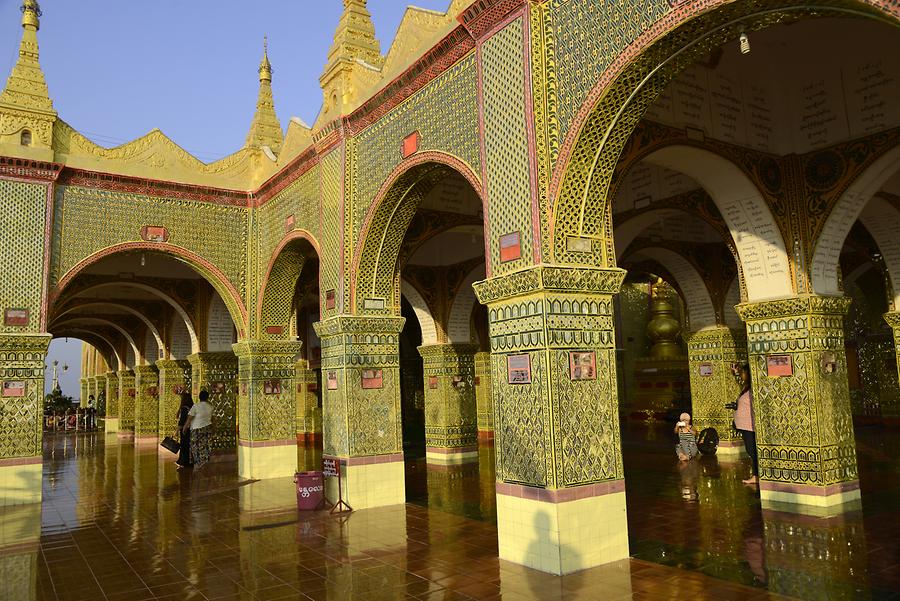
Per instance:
{"type": "Point", "coordinates": [199, 422]}
{"type": "Point", "coordinates": [745, 424]}
{"type": "Point", "coordinates": [184, 452]}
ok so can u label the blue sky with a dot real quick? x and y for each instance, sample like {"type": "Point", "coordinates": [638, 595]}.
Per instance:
{"type": "Point", "coordinates": [118, 69]}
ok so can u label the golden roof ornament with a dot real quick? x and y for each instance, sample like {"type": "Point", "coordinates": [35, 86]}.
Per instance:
{"type": "Point", "coordinates": [265, 67]}
{"type": "Point", "coordinates": [265, 131]}
{"type": "Point", "coordinates": [31, 14]}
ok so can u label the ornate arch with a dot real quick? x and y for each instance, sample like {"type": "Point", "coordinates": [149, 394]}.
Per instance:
{"type": "Point", "coordinates": [138, 352]}
{"type": "Point", "coordinates": [94, 339]}
{"type": "Point", "coordinates": [422, 310]}
{"type": "Point", "coordinates": [701, 309]}
{"type": "Point", "coordinates": [374, 265]}
{"type": "Point", "coordinates": [854, 204]}
{"type": "Point", "coordinates": [273, 309]}
{"type": "Point", "coordinates": [151, 327]}
{"type": "Point", "coordinates": [212, 274]}
{"type": "Point", "coordinates": [459, 325]}
{"type": "Point", "coordinates": [188, 322]}
{"type": "Point", "coordinates": [583, 175]}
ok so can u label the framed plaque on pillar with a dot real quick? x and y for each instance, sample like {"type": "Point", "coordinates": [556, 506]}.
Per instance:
{"type": "Point", "coordinates": [518, 369]}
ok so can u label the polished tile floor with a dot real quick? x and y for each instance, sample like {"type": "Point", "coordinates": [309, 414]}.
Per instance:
{"type": "Point", "coordinates": [120, 523]}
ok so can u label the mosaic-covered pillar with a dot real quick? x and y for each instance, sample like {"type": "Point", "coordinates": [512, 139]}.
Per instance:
{"type": "Point", "coordinates": [111, 422]}
{"type": "Point", "coordinates": [711, 356]}
{"type": "Point", "coordinates": [801, 402]}
{"type": "Point", "coordinates": [484, 405]}
{"type": "Point", "coordinates": [99, 389]}
{"type": "Point", "coordinates": [561, 488]}
{"type": "Point", "coordinates": [217, 373]}
{"type": "Point", "coordinates": [361, 408]}
{"type": "Point", "coordinates": [174, 378]}
{"type": "Point", "coordinates": [267, 437]}
{"type": "Point", "coordinates": [451, 423]}
{"type": "Point", "coordinates": [127, 395]}
{"type": "Point", "coordinates": [891, 411]}
{"type": "Point", "coordinates": [146, 404]}
{"type": "Point", "coordinates": [21, 413]}
{"type": "Point", "coordinates": [309, 416]}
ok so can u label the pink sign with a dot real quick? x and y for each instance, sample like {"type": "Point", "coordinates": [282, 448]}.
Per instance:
{"type": "Point", "coordinates": [13, 389]}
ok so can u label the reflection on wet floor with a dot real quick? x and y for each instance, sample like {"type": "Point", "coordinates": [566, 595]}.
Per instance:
{"type": "Point", "coordinates": [122, 523]}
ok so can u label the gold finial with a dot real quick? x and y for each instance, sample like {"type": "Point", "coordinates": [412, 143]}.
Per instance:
{"type": "Point", "coordinates": [31, 14]}
{"type": "Point", "coordinates": [265, 67]}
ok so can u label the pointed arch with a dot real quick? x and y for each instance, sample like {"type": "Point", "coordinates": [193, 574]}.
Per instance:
{"type": "Point", "coordinates": [273, 308]}
{"type": "Point", "coordinates": [138, 353]}
{"type": "Point", "coordinates": [459, 325]}
{"type": "Point", "coordinates": [374, 265]}
{"type": "Point", "coordinates": [149, 324]}
{"type": "Point", "coordinates": [212, 274]}
{"type": "Point", "coordinates": [422, 311]}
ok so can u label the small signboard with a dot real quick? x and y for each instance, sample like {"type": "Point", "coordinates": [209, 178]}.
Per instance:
{"type": "Point", "coordinates": [331, 382]}
{"type": "Point", "coordinates": [582, 365]}
{"type": "Point", "coordinates": [510, 247]}
{"type": "Point", "coordinates": [288, 223]}
{"type": "Point", "coordinates": [181, 388]}
{"type": "Point", "coordinates": [372, 378]}
{"type": "Point", "coordinates": [272, 387]}
{"type": "Point", "coordinates": [329, 300]}
{"type": "Point", "coordinates": [705, 370]}
{"type": "Point", "coordinates": [153, 391]}
{"type": "Point", "coordinates": [477, 380]}
{"type": "Point", "coordinates": [14, 388]}
{"type": "Point", "coordinates": [218, 388]}
{"type": "Point", "coordinates": [275, 330]}
{"type": "Point", "coordinates": [130, 392]}
{"type": "Point", "coordinates": [331, 467]}
{"type": "Point", "coordinates": [154, 233]}
{"type": "Point", "coordinates": [779, 366]}
{"type": "Point", "coordinates": [518, 368]}
{"type": "Point", "coordinates": [432, 382]}
{"type": "Point", "coordinates": [16, 317]}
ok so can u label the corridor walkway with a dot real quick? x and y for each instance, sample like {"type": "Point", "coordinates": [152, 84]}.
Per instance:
{"type": "Point", "coordinates": [120, 524]}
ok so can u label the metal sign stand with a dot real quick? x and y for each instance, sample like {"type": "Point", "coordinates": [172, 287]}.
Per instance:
{"type": "Point", "coordinates": [331, 468]}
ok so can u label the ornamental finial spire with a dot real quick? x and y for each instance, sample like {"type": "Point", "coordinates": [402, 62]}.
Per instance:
{"type": "Point", "coordinates": [265, 67]}
{"type": "Point", "coordinates": [31, 14]}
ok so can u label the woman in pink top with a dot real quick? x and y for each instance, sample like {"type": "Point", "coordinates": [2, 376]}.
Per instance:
{"type": "Point", "coordinates": [743, 423]}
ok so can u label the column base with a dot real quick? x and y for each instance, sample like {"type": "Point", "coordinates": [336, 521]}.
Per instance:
{"type": "Point", "coordinates": [125, 434]}
{"type": "Point", "coordinates": [20, 480]}
{"type": "Point", "coordinates": [562, 531]}
{"type": "Point", "coordinates": [373, 481]}
{"type": "Point", "coordinates": [111, 425]}
{"type": "Point", "coordinates": [730, 450]}
{"type": "Point", "coordinates": [486, 436]}
{"type": "Point", "coordinates": [810, 500]}
{"type": "Point", "coordinates": [146, 440]}
{"type": "Point", "coordinates": [451, 456]}
{"type": "Point", "coordinates": [260, 460]}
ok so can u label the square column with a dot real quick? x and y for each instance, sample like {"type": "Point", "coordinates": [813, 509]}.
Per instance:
{"type": "Point", "coordinates": [801, 403]}
{"type": "Point", "coordinates": [127, 394]}
{"type": "Point", "coordinates": [174, 377]}
{"type": "Point", "coordinates": [891, 412]}
{"type": "Point", "coordinates": [309, 415]}
{"type": "Point", "coordinates": [711, 355]}
{"type": "Point", "coordinates": [99, 389]}
{"type": "Point", "coordinates": [484, 405]}
{"type": "Point", "coordinates": [146, 404]}
{"type": "Point", "coordinates": [217, 373]}
{"type": "Point", "coordinates": [112, 403]}
{"type": "Point", "coordinates": [21, 414]}
{"type": "Point", "coordinates": [451, 423]}
{"type": "Point", "coordinates": [561, 488]}
{"type": "Point", "coordinates": [361, 408]}
{"type": "Point", "coordinates": [267, 437]}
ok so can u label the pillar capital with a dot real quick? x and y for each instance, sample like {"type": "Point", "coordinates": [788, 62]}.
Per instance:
{"type": "Point", "coordinates": [804, 304]}
{"type": "Point", "coordinates": [287, 349]}
{"type": "Point", "coordinates": [893, 319]}
{"type": "Point", "coordinates": [550, 279]}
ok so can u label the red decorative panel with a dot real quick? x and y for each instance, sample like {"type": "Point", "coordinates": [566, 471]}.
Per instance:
{"type": "Point", "coordinates": [372, 378]}
{"type": "Point", "coordinates": [510, 247]}
{"type": "Point", "coordinates": [154, 233]}
{"type": "Point", "coordinates": [14, 389]}
{"type": "Point", "coordinates": [288, 223]}
{"type": "Point", "coordinates": [16, 317]}
{"type": "Point", "coordinates": [410, 145]}
{"type": "Point", "coordinates": [275, 330]}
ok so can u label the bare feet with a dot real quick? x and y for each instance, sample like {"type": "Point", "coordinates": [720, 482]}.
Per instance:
{"type": "Point", "coordinates": [751, 480]}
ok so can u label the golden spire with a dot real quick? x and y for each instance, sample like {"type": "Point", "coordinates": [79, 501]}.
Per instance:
{"type": "Point", "coordinates": [265, 129]}
{"type": "Point", "coordinates": [265, 67]}
{"type": "Point", "coordinates": [26, 88]}
{"type": "Point", "coordinates": [355, 51]}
